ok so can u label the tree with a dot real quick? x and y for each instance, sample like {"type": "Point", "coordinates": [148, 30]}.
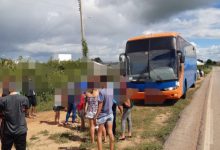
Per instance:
{"type": "Point", "coordinates": [84, 48]}
{"type": "Point", "coordinates": [209, 62]}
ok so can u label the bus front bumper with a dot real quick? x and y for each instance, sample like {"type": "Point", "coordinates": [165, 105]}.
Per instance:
{"type": "Point", "coordinates": [155, 96]}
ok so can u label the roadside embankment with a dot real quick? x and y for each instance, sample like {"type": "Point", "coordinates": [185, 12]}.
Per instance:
{"type": "Point", "coordinates": [186, 133]}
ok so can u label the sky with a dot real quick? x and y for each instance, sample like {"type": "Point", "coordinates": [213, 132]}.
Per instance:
{"type": "Point", "coordinates": [39, 30]}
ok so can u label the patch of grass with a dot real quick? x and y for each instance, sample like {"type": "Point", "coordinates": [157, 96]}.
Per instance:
{"type": "Point", "coordinates": [44, 132]}
{"type": "Point", "coordinates": [163, 133]}
{"type": "Point", "coordinates": [34, 137]}
{"type": "Point", "coordinates": [147, 146]}
{"type": "Point", "coordinates": [45, 105]}
{"type": "Point", "coordinates": [87, 145]}
{"type": "Point", "coordinates": [64, 137]}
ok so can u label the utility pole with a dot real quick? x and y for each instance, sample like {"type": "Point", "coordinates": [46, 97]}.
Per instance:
{"type": "Point", "coordinates": [81, 19]}
{"type": "Point", "coordinates": [84, 43]}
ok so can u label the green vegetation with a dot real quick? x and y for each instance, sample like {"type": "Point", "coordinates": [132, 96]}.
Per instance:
{"type": "Point", "coordinates": [210, 62]}
{"type": "Point", "coordinates": [84, 48]}
{"type": "Point", "coordinates": [44, 132]}
{"type": "Point", "coordinates": [64, 137]}
{"type": "Point", "coordinates": [45, 77]}
{"type": "Point", "coordinates": [206, 68]}
{"type": "Point", "coordinates": [34, 137]}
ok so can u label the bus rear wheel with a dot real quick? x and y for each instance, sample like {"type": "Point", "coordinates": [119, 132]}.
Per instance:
{"type": "Point", "coordinates": [185, 91]}
{"type": "Point", "coordinates": [194, 84]}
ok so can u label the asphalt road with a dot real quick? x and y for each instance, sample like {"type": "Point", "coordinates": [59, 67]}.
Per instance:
{"type": "Point", "coordinates": [211, 124]}
{"type": "Point", "coordinates": [186, 135]}
{"type": "Point", "coordinates": [199, 125]}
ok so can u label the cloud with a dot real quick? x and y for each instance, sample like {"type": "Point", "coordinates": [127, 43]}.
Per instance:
{"type": "Point", "coordinates": [212, 52]}
{"type": "Point", "coordinates": [191, 24]}
{"type": "Point", "coordinates": [144, 11]}
{"type": "Point", "coordinates": [40, 29]}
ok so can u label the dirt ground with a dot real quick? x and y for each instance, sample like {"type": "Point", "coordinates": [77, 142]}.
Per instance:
{"type": "Point", "coordinates": [42, 127]}
{"type": "Point", "coordinates": [38, 139]}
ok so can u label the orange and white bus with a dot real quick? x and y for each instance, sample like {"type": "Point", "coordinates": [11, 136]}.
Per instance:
{"type": "Point", "coordinates": [159, 66]}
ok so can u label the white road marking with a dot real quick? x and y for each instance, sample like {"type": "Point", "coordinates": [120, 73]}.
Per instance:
{"type": "Point", "coordinates": [208, 137]}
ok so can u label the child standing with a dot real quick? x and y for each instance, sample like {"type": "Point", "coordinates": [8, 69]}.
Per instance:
{"type": "Point", "coordinates": [81, 110]}
{"type": "Point", "coordinates": [57, 106]}
{"type": "Point", "coordinates": [92, 106]}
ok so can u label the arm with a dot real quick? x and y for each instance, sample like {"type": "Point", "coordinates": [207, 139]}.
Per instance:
{"type": "Point", "coordinates": [120, 109]}
{"type": "Point", "coordinates": [25, 105]}
{"type": "Point", "coordinates": [1, 104]}
{"type": "Point", "coordinates": [127, 102]}
{"type": "Point", "coordinates": [84, 103]}
{"type": "Point", "coordinates": [99, 109]}
{"type": "Point", "coordinates": [100, 104]}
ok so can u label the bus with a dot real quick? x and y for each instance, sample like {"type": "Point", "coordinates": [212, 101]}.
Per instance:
{"type": "Point", "coordinates": [160, 67]}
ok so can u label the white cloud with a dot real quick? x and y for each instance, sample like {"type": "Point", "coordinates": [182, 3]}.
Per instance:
{"type": "Point", "coordinates": [42, 28]}
{"type": "Point", "coordinates": [212, 52]}
{"type": "Point", "coordinates": [38, 47]}
{"type": "Point", "coordinates": [191, 24]}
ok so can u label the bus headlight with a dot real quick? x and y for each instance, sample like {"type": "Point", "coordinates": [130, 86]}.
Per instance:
{"type": "Point", "coordinates": [177, 83]}
{"type": "Point", "coordinates": [169, 88]}
{"type": "Point", "coordinates": [132, 79]}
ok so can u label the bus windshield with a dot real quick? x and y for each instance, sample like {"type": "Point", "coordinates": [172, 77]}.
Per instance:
{"type": "Point", "coordinates": [157, 61]}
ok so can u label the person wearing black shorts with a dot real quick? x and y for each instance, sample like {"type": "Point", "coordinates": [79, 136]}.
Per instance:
{"type": "Point", "coordinates": [32, 103]}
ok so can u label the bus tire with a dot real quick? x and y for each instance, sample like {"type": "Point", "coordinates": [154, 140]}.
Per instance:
{"type": "Point", "coordinates": [185, 91]}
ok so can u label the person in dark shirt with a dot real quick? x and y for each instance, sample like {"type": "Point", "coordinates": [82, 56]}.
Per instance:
{"type": "Point", "coordinates": [14, 126]}
{"type": "Point", "coordinates": [32, 103]}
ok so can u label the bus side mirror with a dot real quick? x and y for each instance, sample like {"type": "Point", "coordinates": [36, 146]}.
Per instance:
{"type": "Point", "coordinates": [181, 57]}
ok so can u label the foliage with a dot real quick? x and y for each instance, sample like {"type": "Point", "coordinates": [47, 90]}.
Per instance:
{"type": "Point", "coordinates": [84, 48]}
{"type": "Point", "coordinates": [206, 68]}
{"type": "Point", "coordinates": [210, 62]}
{"type": "Point", "coordinates": [44, 76]}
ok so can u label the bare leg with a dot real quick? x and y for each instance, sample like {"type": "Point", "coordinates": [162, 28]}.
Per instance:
{"type": "Point", "coordinates": [55, 118]}
{"type": "Point", "coordinates": [34, 111]}
{"type": "Point", "coordinates": [28, 113]}
{"type": "Point", "coordinates": [92, 130]}
{"type": "Point", "coordinates": [104, 134]}
{"type": "Point", "coordinates": [111, 136]}
{"type": "Point", "coordinates": [58, 117]}
{"type": "Point", "coordinates": [100, 130]}
{"type": "Point", "coordinates": [82, 123]}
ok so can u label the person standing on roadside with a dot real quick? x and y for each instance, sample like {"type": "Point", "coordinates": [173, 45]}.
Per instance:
{"type": "Point", "coordinates": [32, 103]}
{"type": "Point", "coordinates": [31, 95]}
{"type": "Point", "coordinates": [71, 109]}
{"type": "Point", "coordinates": [92, 96]}
{"type": "Point", "coordinates": [126, 117]}
{"type": "Point", "coordinates": [104, 114]}
{"type": "Point", "coordinates": [14, 129]}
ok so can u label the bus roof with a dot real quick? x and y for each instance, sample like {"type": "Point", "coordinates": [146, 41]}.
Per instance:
{"type": "Point", "coordinates": [155, 35]}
